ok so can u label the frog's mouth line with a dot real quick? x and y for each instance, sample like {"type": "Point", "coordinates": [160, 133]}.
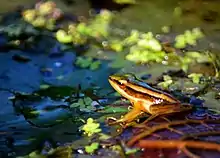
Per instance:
{"type": "Point", "coordinates": [114, 82]}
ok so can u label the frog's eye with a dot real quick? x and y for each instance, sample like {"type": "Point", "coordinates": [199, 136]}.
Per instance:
{"type": "Point", "coordinates": [131, 77]}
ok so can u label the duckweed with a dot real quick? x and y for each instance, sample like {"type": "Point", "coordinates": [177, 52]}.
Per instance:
{"type": "Point", "coordinates": [188, 38]}
{"type": "Point", "coordinates": [167, 82]}
{"type": "Point", "coordinates": [44, 15]}
{"type": "Point", "coordinates": [144, 48]}
{"type": "Point", "coordinates": [196, 77]}
{"type": "Point", "coordinates": [91, 127]}
{"type": "Point", "coordinates": [63, 37]}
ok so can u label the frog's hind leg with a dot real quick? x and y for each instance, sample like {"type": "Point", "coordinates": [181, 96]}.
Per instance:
{"type": "Point", "coordinates": [165, 109]}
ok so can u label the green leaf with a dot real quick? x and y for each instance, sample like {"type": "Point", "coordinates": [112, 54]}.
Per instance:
{"type": "Point", "coordinates": [74, 105]}
{"type": "Point", "coordinates": [111, 109]}
{"type": "Point", "coordinates": [88, 100]}
{"type": "Point", "coordinates": [95, 65]}
{"type": "Point", "coordinates": [90, 149]}
{"type": "Point", "coordinates": [81, 101]}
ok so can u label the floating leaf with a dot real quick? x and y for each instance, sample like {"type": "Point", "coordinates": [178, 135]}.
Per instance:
{"type": "Point", "coordinates": [110, 109]}
{"type": "Point", "coordinates": [88, 100]}
{"type": "Point", "coordinates": [95, 65]}
{"type": "Point", "coordinates": [74, 105]}
{"type": "Point", "coordinates": [90, 149]}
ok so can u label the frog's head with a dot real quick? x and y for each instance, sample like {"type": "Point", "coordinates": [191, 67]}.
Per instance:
{"type": "Point", "coordinates": [121, 79]}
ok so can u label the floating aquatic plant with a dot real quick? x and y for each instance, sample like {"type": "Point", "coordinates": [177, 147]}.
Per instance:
{"type": "Point", "coordinates": [196, 77]}
{"type": "Point", "coordinates": [133, 37]}
{"type": "Point", "coordinates": [144, 48]}
{"type": "Point", "coordinates": [44, 15]}
{"type": "Point", "coordinates": [84, 104]}
{"type": "Point", "coordinates": [125, 1]}
{"type": "Point", "coordinates": [91, 127]}
{"type": "Point", "coordinates": [63, 37]}
{"type": "Point", "coordinates": [88, 63]}
{"type": "Point", "coordinates": [165, 29]}
{"type": "Point", "coordinates": [116, 45]}
{"type": "Point", "coordinates": [81, 32]}
{"type": "Point", "coordinates": [188, 38]}
{"type": "Point", "coordinates": [90, 149]}
{"type": "Point", "coordinates": [70, 37]}
{"type": "Point", "coordinates": [100, 24]}
{"type": "Point", "coordinates": [166, 83]}
{"type": "Point", "coordinates": [193, 57]}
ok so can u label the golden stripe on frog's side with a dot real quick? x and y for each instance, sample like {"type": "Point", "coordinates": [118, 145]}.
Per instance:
{"type": "Point", "coordinates": [152, 92]}
{"type": "Point", "coordinates": [133, 83]}
{"type": "Point", "coordinates": [132, 94]}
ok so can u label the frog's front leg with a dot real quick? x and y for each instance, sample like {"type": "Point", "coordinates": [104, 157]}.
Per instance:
{"type": "Point", "coordinates": [129, 117]}
{"type": "Point", "coordinates": [166, 108]}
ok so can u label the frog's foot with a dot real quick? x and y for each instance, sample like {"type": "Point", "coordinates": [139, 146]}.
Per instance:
{"type": "Point", "coordinates": [114, 121]}
{"type": "Point", "coordinates": [126, 120]}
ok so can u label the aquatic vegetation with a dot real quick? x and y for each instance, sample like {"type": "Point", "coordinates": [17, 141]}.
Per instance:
{"type": "Point", "coordinates": [84, 104]}
{"type": "Point", "coordinates": [76, 34]}
{"type": "Point", "coordinates": [193, 57]}
{"type": "Point", "coordinates": [79, 34]}
{"type": "Point", "coordinates": [90, 149]}
{"type": "Point", "coordinates": [99, 25]}
{"type": "Point", "coordinates": [87, 63]}
{"type": "Point", "coordinates": [165, 29]}
{"type": "Point", "coordinates": [116, 45]}
{"type": "Point", "coordinates": [91, 127]}
{"type": "Point", "coordinates": [196, 77]}
{"type": "Point", "coordinates": [125, 1]}
{"type": "Point", "coordinates": [144, 48]}
{"type": "Point", "coordinates": [63, 37]}
{"type": "Point", "coordinates": [15, 30]}
{"type": "Point", "coordinates": [76, 104]}
{"type": "Point", "coordinates": [188, 38]}
{"type": "Point", "coordinates": [145, 56]}
{"type": "Point", "coordinates": [44, 15]}
{"type": "Point", "coordinates": [166, 83]}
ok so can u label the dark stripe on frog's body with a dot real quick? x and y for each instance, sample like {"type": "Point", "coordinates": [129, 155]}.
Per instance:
{"type": "Point", "coordinates": [148, 90]}
{"type": "Point", "coordinates": [134, 95]}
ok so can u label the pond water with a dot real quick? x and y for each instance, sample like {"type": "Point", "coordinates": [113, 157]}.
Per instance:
{"type": "Point", "coordinates": [40, 82]}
